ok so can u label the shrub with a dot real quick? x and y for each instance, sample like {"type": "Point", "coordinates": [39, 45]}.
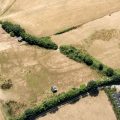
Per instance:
{"type": "Point", "coordinates": [88, 61]}
{"type": "Point", "coordinates": [92, 87]}
{"type": "Point", "coordinates": [7, 84]}
{"type": "Point", "coordinates": [16, 30]}
{"type": "Point", "coordinates": [109, 72]}
{"type": "Point", "coordinates": [100, 67]}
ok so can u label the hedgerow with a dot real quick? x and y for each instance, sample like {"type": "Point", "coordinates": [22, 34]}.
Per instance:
{"type": "Point", "coordinates": [41, 42]}
{"type": "Point", "coordinates": [82, 56]}
{"type": "Point", "coordinates": [16, 30]}
{"type": "Point", "coordinates": [55, 101]}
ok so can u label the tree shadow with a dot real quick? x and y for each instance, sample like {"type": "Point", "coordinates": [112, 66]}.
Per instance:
{"type": "Point", "coordinates": [94, 94]}
{"type": "Point", "coordinates": [42, 115]}
{"type": "Point", "coordinates": [84, 95]}
{"type": "Point", "coordinates": [74, 101]}
{"type": "Point", "coordinates": [53, 110]}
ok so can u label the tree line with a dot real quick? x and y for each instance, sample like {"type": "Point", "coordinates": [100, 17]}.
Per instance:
{"type": "Point", "coordinates": [16, 30]}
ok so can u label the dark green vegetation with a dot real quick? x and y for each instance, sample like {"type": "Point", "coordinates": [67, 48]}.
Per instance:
{"type": "Point", "coordinates": [109, 93]}
{"type": "Point", "coordinates": [66, 30]}
{"type": "Point", "coordinates": [12, 28]}
{"type": "Point", "coordinates": [16, 30]}
{"type": "Point", "coordinates": [78, 55]}
{"type": "Point", "coordinates": [82, 56]}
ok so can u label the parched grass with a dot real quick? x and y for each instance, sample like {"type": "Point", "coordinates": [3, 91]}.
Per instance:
{"type": "Point", "coordinates": [103, 34]}
{"type": "Point", "coordinates": [80, 55]}
{"type": "Point", "coordinates": [18, 31]}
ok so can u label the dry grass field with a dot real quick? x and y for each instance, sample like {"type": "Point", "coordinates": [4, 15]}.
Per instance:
{"type": "Point", "coordinates": [46, 17]}
{"type": "Point", "coordinates": [89, 108]}
{"type": "Point", "coordinates": [101, 38]}
{"type": "Point", "coordinates": [34, 70]}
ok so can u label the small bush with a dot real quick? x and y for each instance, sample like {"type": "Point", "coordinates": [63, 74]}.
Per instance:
{"type": "Point", "coordinates": [7, 84]}
{"type": "Point", "coordinates": [109, 72]}
{"type": "Point", "coordinates": [16, 30]}
{"type": "Point", "coordinates": [88, 61]}
{"type": "Point", "coordinates": [92, 87]}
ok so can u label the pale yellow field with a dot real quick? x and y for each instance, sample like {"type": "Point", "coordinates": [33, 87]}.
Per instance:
{"type": "Point", "coordinates": [46, 17]}
{"type": "Point", "coordinates": [34, 70]}
{"type": "Point", "coordinates": [101, 38]}
{"type": "Point", "coordinates": [89, 108]}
